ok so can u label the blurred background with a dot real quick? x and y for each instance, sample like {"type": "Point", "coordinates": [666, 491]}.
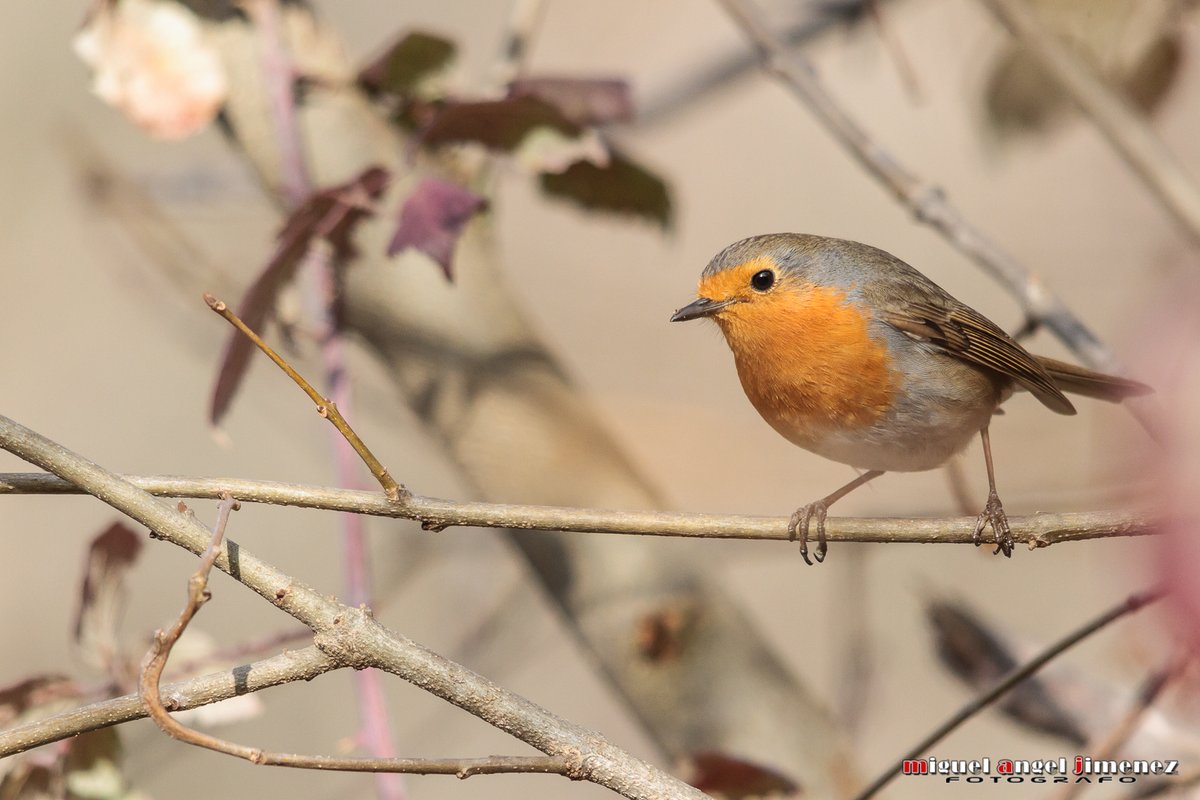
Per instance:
{"type": "Point", "coordinates": [104, 352]}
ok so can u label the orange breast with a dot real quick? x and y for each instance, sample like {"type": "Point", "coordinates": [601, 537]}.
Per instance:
{"type": "Point", "coordinates": [807, 362]}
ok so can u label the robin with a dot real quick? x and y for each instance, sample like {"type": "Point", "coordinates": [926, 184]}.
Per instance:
{"type": "Point", "coordinates": [850, 353]}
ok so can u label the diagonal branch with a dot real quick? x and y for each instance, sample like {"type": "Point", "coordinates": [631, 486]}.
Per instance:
{"type": "Point", "coordinates": [325, 408]}
{"type": "Point", "coordinates": [1125, 129]}
{"type": "Point", "coordinates": [1127, 606]}
{"type": "Point", "coordinates": [351, 637]}
{"type": "Point", "coordinates": [151, 696]}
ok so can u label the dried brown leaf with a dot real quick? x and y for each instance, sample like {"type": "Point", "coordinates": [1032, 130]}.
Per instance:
{"type": "Point", "coordinates": [978, 656]}
{"type": "Point", "coordinates": [724, 775]}
{"type": "Point", "coordinates": [103, 593]}
{"type": "Point", "coordinates": [31, 694]}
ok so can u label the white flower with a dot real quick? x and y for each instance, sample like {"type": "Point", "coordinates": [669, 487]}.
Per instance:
{"type": "Point", "coordinates": [152, 63]}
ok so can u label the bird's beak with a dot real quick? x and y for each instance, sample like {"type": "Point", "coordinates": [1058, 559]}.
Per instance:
{"type": "Point", "coordinates": [701, 308]}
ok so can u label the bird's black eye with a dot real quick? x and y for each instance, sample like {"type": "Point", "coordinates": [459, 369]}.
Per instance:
{"type": "Point", "coordinates": [763, 280]}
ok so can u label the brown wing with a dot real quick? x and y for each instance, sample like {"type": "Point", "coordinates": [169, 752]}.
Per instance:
{"type": "Point", "coordinates": [965, 333]}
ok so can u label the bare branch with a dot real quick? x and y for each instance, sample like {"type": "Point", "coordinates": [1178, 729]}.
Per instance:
{"type": "Point", "coordinates": [351, 637]}
{"type": "Point", "coordinates": [1125, 129]}
{"type": "Point", "coordinates": [326, 408]}
{"type": "Point", "coordinates": [160, 651]}
{"type": "Point", "coordinates": [1038, 530]}
{"type": "Point", "coordinates": [295, 665]}
{"type": "Point", "coordinates": [1127, 606]}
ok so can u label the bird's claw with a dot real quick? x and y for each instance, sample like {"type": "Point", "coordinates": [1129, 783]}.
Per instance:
{"type": "Point", "coordinates": [798, 529]}
{"type": "Point", "coordinates": [993, 515]}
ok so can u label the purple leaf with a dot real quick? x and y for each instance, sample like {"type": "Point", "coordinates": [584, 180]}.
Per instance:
{"type": "Point", "coordinates": [432, 219]}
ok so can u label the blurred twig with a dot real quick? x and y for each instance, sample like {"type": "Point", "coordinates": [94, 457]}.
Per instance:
{"type": "Point", "coordinates": [1116, 118]}
{"type": "Point", "coordinates": [1147, 694]}
{"type": "Point", "coordinates": [1127, 606]}
{"type": "Point", "coordinates": [723, 70]}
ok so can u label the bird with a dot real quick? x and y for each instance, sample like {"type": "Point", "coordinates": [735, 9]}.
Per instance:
{"type": "Point", "coordinates": [852, 354]}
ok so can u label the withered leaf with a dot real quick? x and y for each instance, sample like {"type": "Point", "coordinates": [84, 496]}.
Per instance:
{"type": "Point", "coordinates": [432, 218]}
{"type": "Point", "coordinates": [584, 101]}
{"type": "Point", "coordinates": [30, 694]}
{"type": "Point", "coordinates": [727, 776]}
{"type": "Point", "coordinates": [103, 593]}
{"type": "Point", "coordinates": [402, 67]}
{"type": "Point", "coordinates": [622, 187]}
{"type": "Point", "coordinates": [330, 214]}
{"type": "Point", "coordinates": [978, 657]}
{"type": "Point", "coordinates": [496, 124]}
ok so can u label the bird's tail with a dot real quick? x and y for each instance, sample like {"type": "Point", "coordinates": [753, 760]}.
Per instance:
{"type": "Point", "coordinates": [1089, 383]}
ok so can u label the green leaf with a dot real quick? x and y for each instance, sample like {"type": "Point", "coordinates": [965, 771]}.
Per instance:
{"type": "Point", "coordinates": [621, 187]}
{"type": "Point", "coordinates": [400, 70]}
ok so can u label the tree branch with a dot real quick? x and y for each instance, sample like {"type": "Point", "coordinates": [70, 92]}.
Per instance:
{"type": "Point", "coordinates": [293, 665]}
{"type": "Point", "coordinates": [1125, 129]}
{"type": "Point", "coordinates": [325, 408]}
{"type": "Point", "coordinates": [1037, 530]}
{"type": "Point", "coordinates": [351, 637]}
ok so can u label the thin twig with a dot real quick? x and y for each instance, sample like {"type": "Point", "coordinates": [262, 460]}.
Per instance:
{"type": "Point", "coordinates": [352, 637]}
{"type": "Point", "coordinates": [160, 651]}
{"type": "Point", "coordinates": [1147, 694]}
{"type": "Point", "coordinates": [926, 201]}
{"type": "Point", "coordinates": [1127, 606]}
{"type": "Point", "coordinates": [1037, 530]}
{"type": "Point", "coordinates": [164, 641]}
{"type": "Point", "coordinates": [1125, 129]}
{"type": "Point", "coordinates": [279, 77]}
{"type": "Point", "coordinates": [326, 408]}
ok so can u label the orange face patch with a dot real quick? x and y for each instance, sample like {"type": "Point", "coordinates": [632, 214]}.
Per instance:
{"type": "Point", "coordinates": [735, 281]}
{"type": "Point", "coordinates": [804, 353]}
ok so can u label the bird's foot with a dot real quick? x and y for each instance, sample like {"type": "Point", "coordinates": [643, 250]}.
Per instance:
{"type": "Point", "coordinates": [993, 515]}
{"type": "Point", "coordinates": [798, 527]}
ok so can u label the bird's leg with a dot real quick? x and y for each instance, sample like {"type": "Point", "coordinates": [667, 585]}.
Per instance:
{"type": "Point", "coordinates": [798, 524]}
{"type": "Point", "coordinates": [993, 513]}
